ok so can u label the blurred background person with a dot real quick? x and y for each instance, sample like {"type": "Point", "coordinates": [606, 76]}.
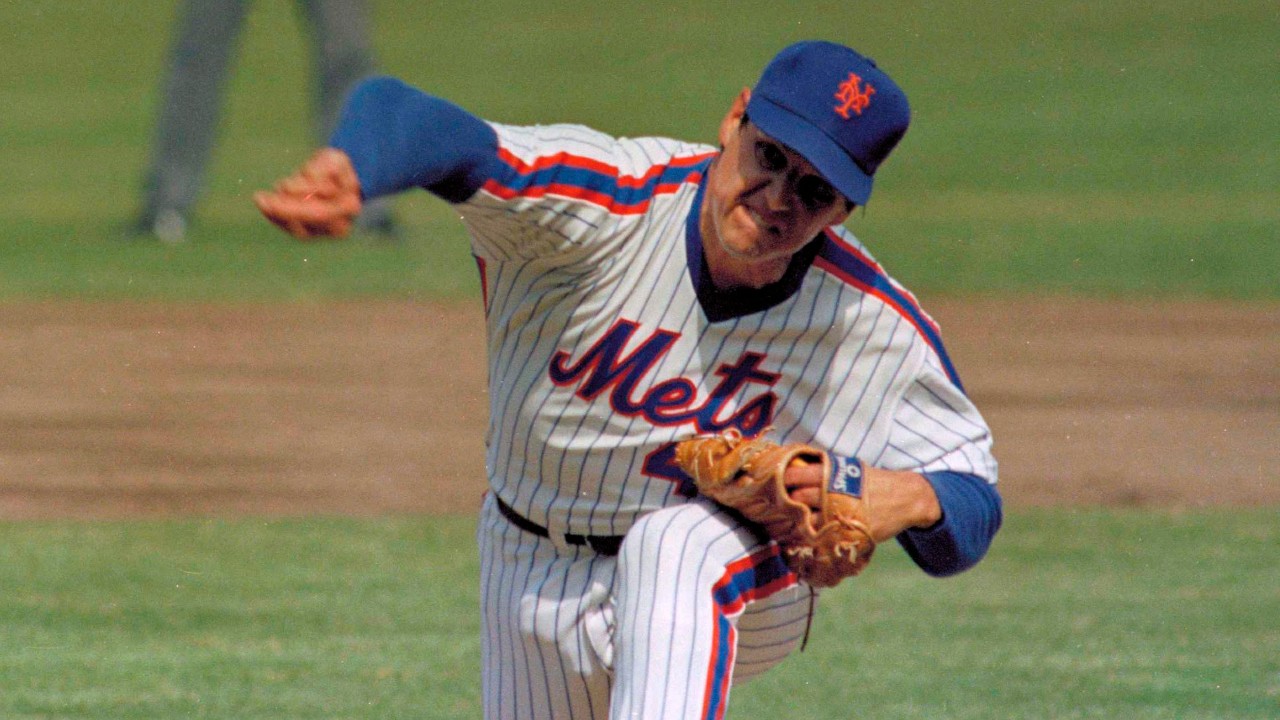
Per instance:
{"type": "Point", "coordinates": [206, 33]}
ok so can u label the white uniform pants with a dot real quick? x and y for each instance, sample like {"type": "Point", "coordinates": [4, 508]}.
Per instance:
{"type": "Point", "coordinates": [693, 602]}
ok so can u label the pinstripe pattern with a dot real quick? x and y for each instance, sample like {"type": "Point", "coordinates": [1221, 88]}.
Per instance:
{"type": "Point", "coordinates": [571, 635]}
{"type": "Point", "coordinates": [600, 356]}
{"type": "Point", "coordinates": [547, 619]}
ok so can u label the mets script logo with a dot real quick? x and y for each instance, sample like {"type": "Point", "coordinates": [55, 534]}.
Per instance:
{"type": "Point", "coordinates": [606, 368]}
{"type": "Point", "coordinates": [854, 96]}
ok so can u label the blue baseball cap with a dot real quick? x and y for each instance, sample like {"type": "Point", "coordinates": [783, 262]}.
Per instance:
{"type": "Point", "coordinates": [835, 108]}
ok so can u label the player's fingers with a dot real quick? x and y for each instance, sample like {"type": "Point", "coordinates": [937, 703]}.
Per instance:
{"type": "Point", "coordinates": [293, 227]}
{"type": "Point", "coordinates": [332, 168]}
{"type": "Point", "coordinates": [347, 179]}
{"type": "Point", "coordinates": [298, 185]}
{"type": "Point", "coordinates": [305, 216]}
{"type": "Point", "coordinates": [291, 205]}
{"type": "Point", "coordinates": [318, 207]}
{"type": "Point", "coordinates": [807, 496]}
{"type": "Point", "coordinates": [319, 176]}
{"type": "Point", "coordinates": [335, 229]}
{"type": "Point", "coordinates": [310, 212]}
{"type": "Point", "coordinates": [290, 226]}
{"type": "Point", "coordinates": [270, 209]}
{"type": "Point", "coordinates": [268, 205]}
{"type": "Point", "coordinates": [801, 474]}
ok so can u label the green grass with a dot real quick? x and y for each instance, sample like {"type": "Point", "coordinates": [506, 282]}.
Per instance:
{"type": "Point", "coordinates": [316, 618]}
{"type": "Point", "coordinates": [1078, 147]}
{"type": "Point", "coordinates": [1075, 614]}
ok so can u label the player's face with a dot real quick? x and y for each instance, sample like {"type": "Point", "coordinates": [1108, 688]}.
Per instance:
{"type": "Point", "coordinates": [763, 203]}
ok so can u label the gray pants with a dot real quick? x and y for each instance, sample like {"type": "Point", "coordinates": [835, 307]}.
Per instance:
{"type": "Point", "coordinates": [206, 34]}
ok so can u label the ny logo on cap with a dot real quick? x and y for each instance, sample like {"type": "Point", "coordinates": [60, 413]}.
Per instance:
{"type": "Point", "coordinates": [853, 96]}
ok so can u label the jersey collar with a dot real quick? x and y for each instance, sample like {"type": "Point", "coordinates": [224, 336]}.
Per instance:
{"type": "Point", "coordinates": [719, 305]}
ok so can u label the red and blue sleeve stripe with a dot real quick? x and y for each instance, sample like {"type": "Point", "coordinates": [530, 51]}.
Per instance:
{"type": "Point", "coordinates": [854, 267]}
{"type": "Point", "coordinates": [582, 178]}
{"type": "Point", "coordinates": [399, 137]}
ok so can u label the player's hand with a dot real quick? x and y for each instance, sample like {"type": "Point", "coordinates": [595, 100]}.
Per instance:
{"type": "Point", "coordinates": [895, 500]}
{"type": "Point", "coordinates": [320, 199]}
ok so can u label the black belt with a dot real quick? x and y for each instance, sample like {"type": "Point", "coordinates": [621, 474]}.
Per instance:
{"type": "Point", "coordinates": [603, 544]}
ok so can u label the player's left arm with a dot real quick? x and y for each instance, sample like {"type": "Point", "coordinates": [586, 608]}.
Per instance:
{"type": "Point", "coordinates": [939, 437]}
{"type": "Point", "coordinates": [944, 520]}
{"type": "Point", "coordinates": [940, 499]}
{"type": "Point", "coordinates": [970, 513]}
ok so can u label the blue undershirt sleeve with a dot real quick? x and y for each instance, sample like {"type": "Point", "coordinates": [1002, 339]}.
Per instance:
{"type": "Point", "coordinates": [399, 137]}
{"type": "Point", "coordinates": [971, 515]}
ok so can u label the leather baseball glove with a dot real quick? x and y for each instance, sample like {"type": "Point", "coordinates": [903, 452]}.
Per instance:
{"type": "Point", "coordinates": [822, 546]}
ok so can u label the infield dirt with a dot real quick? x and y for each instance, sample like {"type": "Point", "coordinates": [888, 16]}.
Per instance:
{"type": "Point", "coordinates": [127, 410]}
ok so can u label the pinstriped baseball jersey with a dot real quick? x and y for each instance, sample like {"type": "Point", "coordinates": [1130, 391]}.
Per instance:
{"type": "Point", "coordinates": [606, 342]}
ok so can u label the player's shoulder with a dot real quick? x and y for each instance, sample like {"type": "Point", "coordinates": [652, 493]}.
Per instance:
{"type": "Point", "coordinates": [843, 255]}
{"type": "Point", "coordinates": [572, 143]}
{"type": "Point", "coordinates": [846, 262]}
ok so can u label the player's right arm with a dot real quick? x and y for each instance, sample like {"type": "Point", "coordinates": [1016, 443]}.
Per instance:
{"type": "Point", "coordinates": [391, 137]}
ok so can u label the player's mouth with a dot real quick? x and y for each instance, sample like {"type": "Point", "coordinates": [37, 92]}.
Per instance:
{"type": "Point", "coordinates": [765, 226]}
{"type": "Point", "coordinates": [763, 236]}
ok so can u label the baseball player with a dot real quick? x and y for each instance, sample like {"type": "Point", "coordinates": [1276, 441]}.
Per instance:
{"type": "Point", "coordinates": [640, 291]}
{"type": "Point", "coordinates": [198, 66]}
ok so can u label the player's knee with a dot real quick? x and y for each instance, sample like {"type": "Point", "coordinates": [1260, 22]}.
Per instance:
{"type": "Point", "coordinates": [668, 540]}
{"type": "Point", "coordinates": [667, 528]}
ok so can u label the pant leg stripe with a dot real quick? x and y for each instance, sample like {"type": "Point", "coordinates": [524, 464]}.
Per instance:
{"type": "Point", "coordinates": [754, 577]}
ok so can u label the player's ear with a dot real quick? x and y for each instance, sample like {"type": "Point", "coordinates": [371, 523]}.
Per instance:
{"type": "Point", "coordinates": [733, 118]}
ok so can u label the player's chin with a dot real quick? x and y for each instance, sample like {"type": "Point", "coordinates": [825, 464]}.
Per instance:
{"type": "Point", "coordinates": [770, 275]}
{"type": "Point", "coordinates": [750, 243]}
{"type": "Point", "coordinates": [762, 272]}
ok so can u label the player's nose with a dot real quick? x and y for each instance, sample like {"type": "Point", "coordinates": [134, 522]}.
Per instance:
{"type": "Point", "coordinates": [778, 194]}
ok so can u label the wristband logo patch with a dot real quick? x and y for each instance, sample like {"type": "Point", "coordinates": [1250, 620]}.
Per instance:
{"type": "Point", "coordinates": [846, 476]}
